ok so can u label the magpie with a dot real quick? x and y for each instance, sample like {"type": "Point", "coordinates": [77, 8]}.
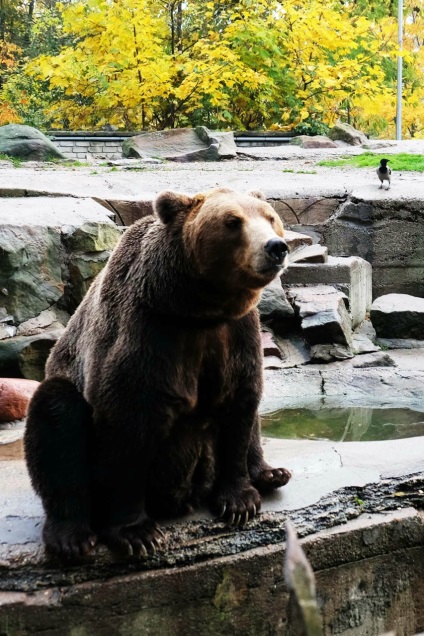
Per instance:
{"type": "Point", "coordinates": [384, 172]}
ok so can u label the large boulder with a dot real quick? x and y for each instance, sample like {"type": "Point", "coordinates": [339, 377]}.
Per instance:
{"type": "Point", "coordinates": [398, 316]}
{"type": "Point", "coordinates": [15, 395]}
{"type": "Point", "coordinates": [323, 313]}
{"type": "Point", "coordinates": [273, 303]}
{"type": "Point", "coordinates": [45, 243]}
{"type": "Point", "coordinates": [51, 249]}
{"type": "Point", "coordinates": [30, 270]}
{"type": "Point", "coordinates": [182, 144]}
{"type": "Point", "coordinates": [27, 143]}
{"type": "Point", "coordinates": [25, 356]}
{"type": "Point", "coordinates": [347, 133]}
{"type": "Point", "coordinates": [317, 141]}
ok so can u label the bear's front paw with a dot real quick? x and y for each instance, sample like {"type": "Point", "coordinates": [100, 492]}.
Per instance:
{"type": "Point", "coordinates": [136, 540]}
{"type": "Point", "coordinates": [267, 479]}
{"type": "Point", "coordinates": [68, 540]}
{"type": "Point", "coordinates": [237, 505]}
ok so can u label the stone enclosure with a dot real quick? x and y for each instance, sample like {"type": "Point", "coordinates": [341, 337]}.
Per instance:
{"type": "Point", "coordinates": [357, 506]}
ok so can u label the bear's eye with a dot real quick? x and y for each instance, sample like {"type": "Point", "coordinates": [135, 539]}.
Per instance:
{"type": "Point", "coordinates": [271, 221]}
{"type": "Point", "coordinates": [233, 222]}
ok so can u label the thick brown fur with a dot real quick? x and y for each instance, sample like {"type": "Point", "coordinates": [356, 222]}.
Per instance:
{"type": "Point", "coordinates": [149, 406]}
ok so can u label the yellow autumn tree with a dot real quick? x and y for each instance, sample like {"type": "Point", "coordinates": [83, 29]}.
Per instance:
{"type": "Point", "coordinates": [335, 58]}
{"type": "Point", "coordinates": [231, 63]}
{"type": "Point", "coordinates": [378, 115]}
{"type": "Point", "coordinates": [8, 57]}
{"type": "Point", "coordinates": [134, 66]}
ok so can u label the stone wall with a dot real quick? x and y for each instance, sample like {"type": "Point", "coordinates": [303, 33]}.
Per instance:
{"type": "Point", "coordinates": [387, 233]}
{"type": "Point", "coordinates": [77, 145]}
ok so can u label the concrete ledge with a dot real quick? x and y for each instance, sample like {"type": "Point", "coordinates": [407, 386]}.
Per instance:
{"type": "Point", "coordinates": [369, 580]}
{"type": "Point", "coordinates": [352, 275]}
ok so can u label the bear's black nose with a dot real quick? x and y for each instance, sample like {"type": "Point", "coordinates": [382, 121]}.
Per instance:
{"type": "Point", "coordinates": [277, 249]}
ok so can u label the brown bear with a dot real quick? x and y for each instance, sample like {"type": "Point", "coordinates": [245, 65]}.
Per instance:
{"type": "Point", "coordinates": [150, 403]}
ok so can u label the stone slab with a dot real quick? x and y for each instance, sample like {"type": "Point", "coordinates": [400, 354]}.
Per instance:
{"type": "Point", "coordinates": [323, 313]}
{"type": "Point", "coordinates": [51, 211]}
{"type": "Point", "coordinates": [398, 316]}
{"type": "Point", "coordinates": [352, 275]}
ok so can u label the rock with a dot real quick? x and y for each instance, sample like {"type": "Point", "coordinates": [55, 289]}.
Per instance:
{"type": "Point", "coordinates": [50, 318]}
{"type": "Point", "coordinates": [296, 240]}
{"type": "Point", "coordinates": [7, 331]}
{"type": "Point", "coordinates": [269, 348]}
{"type": "Point", "coordinates": [127, 212]}
{"type": "Point", "coordinates": [362, 344]}
{"type": "Point", "coordinates": [379, 359]}
{"type": "Point", "coordinates": [226, 146]}
{"type": "Point", "coordinates": [27, 143]}
{"type": "Point", "coordinates": [273, 303]}
{"type": "Point", "coordinates": [293, 351]}
{"type": "Point", "coordinates": [310, 254]}
{"type": "Point", "coordinates": [83, 268]}
{"type": "Point", "coordinates": [317, 141]}
{"type": "Point", "coordinates": [15, 395]}
{"type": "Point", "coordinates": [93, 237]}
{"type": "Point", "coordinates": [323, 313]}
{"type": "Point", "coordinates": [352, 275]}
{"type": "Point", "coordinates": [39, 238]}
{"type": "Point", "coordinates": [33, 357]}
{"type": "Point", "coordinates": [30, 269]}
{"type": "Point", "coordinates": [398, 316]}
{"type": "Point", "coordinates": [400, 343]}
{"type": "Point", "coordinates": [18, 358]}
{"type": "Point", "coordinates": [346, 132]}
{"type": "Point", "coordinates": [182, 144]}
{"type": "Point", "coordinates": [330, 352]}
{"type": "Point", "coordinates": [363, 339]}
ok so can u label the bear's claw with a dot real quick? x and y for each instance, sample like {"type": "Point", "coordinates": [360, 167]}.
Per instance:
{"type": "Point", "coordinates": [236, 507]}
{"type": "Point", "coordinates": [138, 540]}
{"type": "Point", "coordinates": [68, 540]}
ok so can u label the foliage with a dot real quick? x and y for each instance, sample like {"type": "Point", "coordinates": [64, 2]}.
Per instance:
{"type": "Point", "coordinates": [400, 161]}
{"type": "Point", "coordinates": [253, 64]}
{"type": "Point", "coordinates": [28, 101]}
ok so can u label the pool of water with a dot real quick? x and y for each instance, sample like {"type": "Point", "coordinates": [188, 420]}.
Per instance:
{"type": "Point", "coordinates": [353, 424]}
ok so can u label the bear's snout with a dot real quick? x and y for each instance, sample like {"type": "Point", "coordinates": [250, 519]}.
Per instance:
{"type": "Point", "coordinates": [277, 249]}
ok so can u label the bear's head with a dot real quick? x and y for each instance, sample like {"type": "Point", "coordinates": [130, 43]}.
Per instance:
{"type": "Point", "coordinates": [234, 241]}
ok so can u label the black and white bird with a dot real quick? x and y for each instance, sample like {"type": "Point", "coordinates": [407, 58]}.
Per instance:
{"type": "Point", "coordinates": [384, 172]}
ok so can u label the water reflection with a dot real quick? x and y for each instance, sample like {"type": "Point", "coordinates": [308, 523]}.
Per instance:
{"type": "Point", "coordinates": [344, 424]}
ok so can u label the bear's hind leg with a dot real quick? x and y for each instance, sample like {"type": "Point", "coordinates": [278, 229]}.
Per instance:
{"type": "Point", "coordinates": [57, 454]}
{"type": "Point", "coordinates": [262, 475]}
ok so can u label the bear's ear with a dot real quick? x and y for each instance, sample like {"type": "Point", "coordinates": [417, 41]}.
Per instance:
{"type": "Point", "coordinates": [257, 194]}
{"type": "Point", "coordinates": [169, 204]}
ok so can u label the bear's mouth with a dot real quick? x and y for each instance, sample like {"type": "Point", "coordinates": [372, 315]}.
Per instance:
{"type": "Point", "coordinates": [273, 267]}
{"type": "Point", "coordinates": [271, 270]}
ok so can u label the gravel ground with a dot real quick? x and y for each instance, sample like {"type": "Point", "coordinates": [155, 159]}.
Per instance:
{"type": "Point", "coordinates": [279, 170]}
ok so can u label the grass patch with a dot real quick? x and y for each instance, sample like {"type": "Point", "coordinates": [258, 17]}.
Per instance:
{"type": "Point", "coordinates": [401, 161]}
{"type": "Point", "coordinates": [300, 171]}
{"type": "Point", "coordinates": [16, 161]}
